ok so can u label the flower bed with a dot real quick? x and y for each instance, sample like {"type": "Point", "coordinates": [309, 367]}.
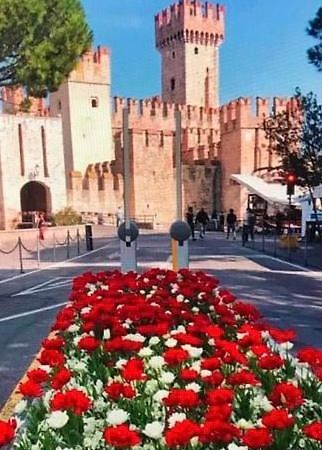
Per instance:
{"type": "Point", "coordinates": [164, 361]}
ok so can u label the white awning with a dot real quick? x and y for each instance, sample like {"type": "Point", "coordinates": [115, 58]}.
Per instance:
{"type": "Point", "coordinates": [273, 193]}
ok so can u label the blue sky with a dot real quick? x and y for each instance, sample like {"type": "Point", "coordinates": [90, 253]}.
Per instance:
{"type": "Point", "coordinates": [264, 53]}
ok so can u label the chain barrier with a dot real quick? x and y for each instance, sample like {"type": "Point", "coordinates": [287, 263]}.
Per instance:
{"type": "Point", "coordinates": [7, 252]}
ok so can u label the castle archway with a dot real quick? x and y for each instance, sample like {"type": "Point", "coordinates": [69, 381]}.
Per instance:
{"type": "Point", "coordinates": [35, 196]}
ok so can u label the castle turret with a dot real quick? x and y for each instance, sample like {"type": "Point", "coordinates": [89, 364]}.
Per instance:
{"type": "Point", "coordinates": [84, 103]}
{"type": "Point", "coordinates": [188, 36]}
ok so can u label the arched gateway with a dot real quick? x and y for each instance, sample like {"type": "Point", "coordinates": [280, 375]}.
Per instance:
{"type": "Point", "coordinates": [35, 196]}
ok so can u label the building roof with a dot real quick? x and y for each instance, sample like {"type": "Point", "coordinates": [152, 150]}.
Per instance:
{"type": "Point", "coordinates": [273, 193]}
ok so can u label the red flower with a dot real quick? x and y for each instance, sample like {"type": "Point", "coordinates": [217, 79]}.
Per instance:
{"type": "Point", "coordinates": [218, 431]}
{"type": "Point", "coordinates": [60, 378]}
{"type": "Point", "coordinates": [38, 375]}
{"type": "Point", "coordinates": [116, 390]}
{"type": "Point", "coordinates": [52, 358]}
{"type": "Point", "coordinates": [287, 395]}
{"type": "Point", "coordinates": [246, 310]}
{"type": "Point", "coordinates": [314, 431]}
{"type": "Point", "coordinates": [210, 363]}
{"type": "Point", "coordinates": [216, 378]}
{"type": "Point", "coordinates": [257, 438]}
{"type": "Point", "coordinates": [185, 338]}
{"type": "Point", "coordinates": [270, 362]}
{"type": "Point", "coordinates": [175, 356]}
{"type": "Point", "coordinates": [53, 344]}
{"type": "Point", "coordinates": [278, 419]}
{"type": "Point", "coordinates": [186, 398]}
{"type": "Point", "coordinates": [121, 436]}
{"type": "Point", "coordinates": [214, 331]}
{"type": "Point", "coordinates": [30, 389]}
{"type": "Point", "coordinates": [220, 396]}
{"type": "Point", "coordinates": [75, 401]}
{"type": "Point", "coordinates": [219, 412]}
{"type": "Point", "coordinates": [89, 344]}
{"type": "Point", "coordinates": [7, 431]}
{"type": "Point", "coordinates": [311, 356]}
{"type": "Point", "coordinates": [133, 370]}
{"type": "Point", "coordinates": [122, 345]}
{"type": "Point", "coordinates": [242, 377]}
{"type": "Point", "coordinates": [281, 336]}
{"type": "Point", "coordinates": [188, 375]}
{"type": "Point", "coordinates": [181, 433]}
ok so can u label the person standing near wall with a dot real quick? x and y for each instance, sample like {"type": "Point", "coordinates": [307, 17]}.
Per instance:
{"type": "Point", "coordinates": [231, 224]}
{"type": "Point", "coordinates": [119, 216]}
{"type": "Point", "coordinates": [202, 219]}
{"type": "Point", "coordinates": [190, 218]}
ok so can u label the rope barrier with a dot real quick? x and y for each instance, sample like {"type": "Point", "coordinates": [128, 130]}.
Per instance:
{"type": "Point", "coordinates": [7, 252]}
{"type": "Point", "coordinates": [27, 249]}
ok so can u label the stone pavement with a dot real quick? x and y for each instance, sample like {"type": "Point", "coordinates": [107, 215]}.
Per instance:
{"type": "Point", "coordinates": [287, 295]}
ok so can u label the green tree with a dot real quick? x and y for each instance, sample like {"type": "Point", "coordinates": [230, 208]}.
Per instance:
{"type": "Point", "coordinates": [315, 30]}
{"type": "Point", "coordinates": [40, 42]}
{"type": "Point", "coordinates": [296, 137]}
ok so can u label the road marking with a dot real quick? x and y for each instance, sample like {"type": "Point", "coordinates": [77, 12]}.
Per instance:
{"type": "Point", "coordinates": [161, 264]}
{"type": "Point", "coordinates": [30, 313]}
{"type": "Point", "coordinates": [57, 264]}
{"type": "Point", "coordinates": [46, 286]}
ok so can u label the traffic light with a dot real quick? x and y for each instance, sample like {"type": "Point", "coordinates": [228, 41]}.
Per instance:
{"type": "Point", "coordinates": [291, 182]}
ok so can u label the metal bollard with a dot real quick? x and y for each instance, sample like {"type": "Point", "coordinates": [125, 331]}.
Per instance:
{"type": "Point", "coordinates": [77, 237]}
{"type": "Point", "coordinates": [68, 244]}
{"type": "Point", "coordinates": [20, 254]}
{"type": "Point", "coordinates": [89, 237]}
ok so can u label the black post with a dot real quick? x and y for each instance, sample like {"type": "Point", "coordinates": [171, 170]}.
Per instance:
{"type": "Point", "coordinates": [89, 237]}
{"type": "Point", "coordinates": [68, 244]}
{"type": "Point", "coordinates": [77, 236]}
{"type": "Point", "coordinates": [20, 254]}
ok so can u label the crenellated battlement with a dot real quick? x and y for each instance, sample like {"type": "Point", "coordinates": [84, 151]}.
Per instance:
{"type": "Point", "coordinates": [157, 115]}
{"type": "Point", "coordinates": [190, 21]}
{"type": "Point", "coordinates": [244, 112]}
{"type": "Point", "coordinates": [13, 98]}
{"type": "Point", "coordinates": [93, 67]}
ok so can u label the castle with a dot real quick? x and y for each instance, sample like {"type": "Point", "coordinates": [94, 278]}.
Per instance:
{"type": "Point", "coordinates": [70, 153]}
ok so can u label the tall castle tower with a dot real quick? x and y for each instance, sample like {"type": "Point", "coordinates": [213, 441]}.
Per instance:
{"type": "Point", "coordinates": [84, 103]}
{"type": "Point", "coordinates": [188, 36]}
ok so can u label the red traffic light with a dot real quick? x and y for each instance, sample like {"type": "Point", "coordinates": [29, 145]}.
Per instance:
{"type": "Point", "coordinates": [291, 178]}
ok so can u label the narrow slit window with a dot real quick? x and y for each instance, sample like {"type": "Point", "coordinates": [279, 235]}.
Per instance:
{"type": "Point", "coordinates": [21, 151]}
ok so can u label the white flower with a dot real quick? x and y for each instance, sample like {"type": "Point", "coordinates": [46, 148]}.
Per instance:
{"type": "Point", "coordinates": [205, 373]}
{"type": "Point", "coordinates": [20, 407]}
{"type": "Point", "coordinates": [73, 328]}
{"type": "Point", "coordinates": [154, 340]}
{"type": "Point", "coordinates": [137, 337]}
{"type": "Point", "coordinates": [286, 345]}
{"type": "Point", "coordinates": [194, 441]}
{"type": "Point", "coordinates": [194, 352]}
{"type": "Point", "coordinates": [244, 424]}
{"type": "Point", "coordinates": [160, 395]}
{"type": "Point", "coordinates": [106, 334]}
{"type": "Point", "coordinates": [233, 446]}
{"type": "Point", "coordinates": [57, 419]}
{"type": "Point", "coordinates": [99, 386]}
{"type": "Point", "coordinates": [117, 417]}
{"type": "Point", "coordinates": [193, 386]}
{"type": "Point", "coordinates": [89, 425]}
{"type": "Point", "coordinates": [196, 365]}
{"type": "Point", "coordinates": [145, 352]}
{"type": "Point", "coordinates": [151, 386]}
{"type": "Point", "coordinates": [195, 309]}
{"type": "Point", "coordinates": [86, 310]}
{"type": "Point", "coordinates": [120, 363]}
{"type": "Point", "coordinates": [180, 298]}
{"type": "Point", "coordinates": [261, 401]}
{"type": "Point", "coordinates": [176, 417]}
{"type": "Point", "coordinates": [167, 377]}
{"type": "Point", "coordinates": [156, 362]}
{"type": "Point", "coordinates": [171, 343]}
{"type": "Point", "coordinates": [154, 430]}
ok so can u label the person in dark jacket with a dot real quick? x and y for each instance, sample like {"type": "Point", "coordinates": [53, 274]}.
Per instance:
{"type": "Point", "coordinates": [191, 221]}
{"type": "Point", "coordinates": [202, 219]}
{"type": "Point", "coordinates": [231, 221]}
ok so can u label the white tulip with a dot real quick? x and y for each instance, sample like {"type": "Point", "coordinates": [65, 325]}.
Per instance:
{"type": "Point", "coordinates": [57, 419]}
{"type": "Point", "coordinates": [117, 417]}
{"type": "Point", "coordinates": [154, 430]}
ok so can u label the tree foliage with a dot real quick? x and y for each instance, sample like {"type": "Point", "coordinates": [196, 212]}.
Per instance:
{"type": "Point", "coordinates": [40, 42]}
{"type": "Point", "coordinates": [315, 30]}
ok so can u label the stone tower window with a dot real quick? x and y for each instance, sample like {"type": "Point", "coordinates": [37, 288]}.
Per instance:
{"type": "Point", "coordinates": [173, 55]}
{"type": "Point", "coordinates": [44, 151]}
{"type": "Point", "coordinates": [196, 50]}
{"type": "Point", "coordinates": [94, 102]}
{"type": "Point", "coordinates": [173, 84]}
{"type": "Point", "coordinates": [21, 151]}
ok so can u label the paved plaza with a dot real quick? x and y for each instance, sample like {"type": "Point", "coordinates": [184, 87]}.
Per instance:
{"type": "Point", "coordinates": [288, 295]}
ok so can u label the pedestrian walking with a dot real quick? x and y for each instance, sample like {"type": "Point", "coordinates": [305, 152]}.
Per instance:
{"type": "Point", "coordinates": [119, 216]}
{"type": "Point", "coordinates": [191, 221]}
{"type": "Point", "coordinates": [41, 226]}
{"type": "Point", "coordinates": [202, 219]}
{"type": "Point", "coordinates": [231, 224]}
{"type": "Point", "coordinates": [248, 226]}
{"type": "Point", "coordinates": [221, 221]}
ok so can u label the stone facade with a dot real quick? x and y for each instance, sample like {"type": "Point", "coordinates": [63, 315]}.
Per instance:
{"type": "Point", "coordinates": [77, 143]}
